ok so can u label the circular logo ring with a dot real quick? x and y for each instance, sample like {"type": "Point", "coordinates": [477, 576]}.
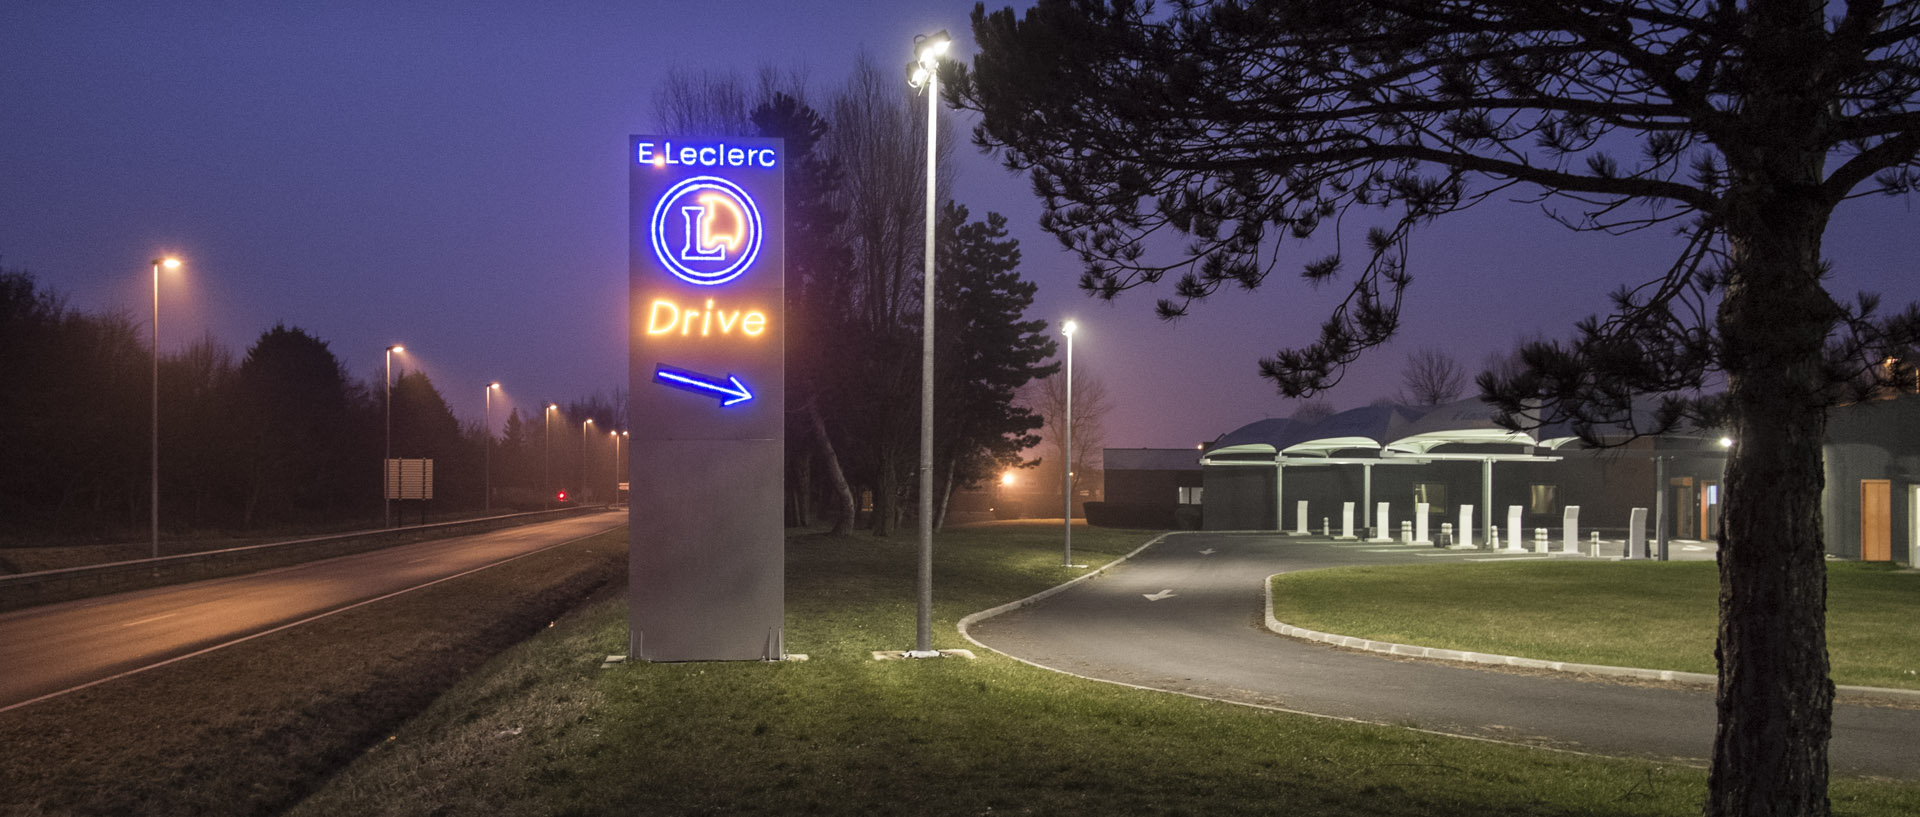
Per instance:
{"type": "Point", "coordinates": [719, 271]}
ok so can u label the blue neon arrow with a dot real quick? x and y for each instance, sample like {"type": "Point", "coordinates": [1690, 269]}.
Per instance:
{"type": "Point", "coordinates": [730, 394]}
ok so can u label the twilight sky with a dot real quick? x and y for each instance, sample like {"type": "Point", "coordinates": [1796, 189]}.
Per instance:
{"type": "Point", "coordinates": [452, 176]}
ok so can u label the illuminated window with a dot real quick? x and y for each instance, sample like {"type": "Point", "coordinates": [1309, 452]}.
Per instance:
{"type": "Point", "coordinates": [1542, 500]}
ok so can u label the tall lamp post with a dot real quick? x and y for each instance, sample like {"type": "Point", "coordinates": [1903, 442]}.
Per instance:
{"type": "Point", "coordinates": [924, 72]}
{"type": "Point", "coordinates": [486, 503]}
{"type": "Point", "coordinates": [546, 458]}
{"type": "Point", "coordinates": [1066, 457]}
{"type": "Point", "coordinates": [170, 263]}
{"type": "Point", "coordinates": [583, 458]}
{"type": "Point", "coordinates": [386, 475]}
{"type": "Point", "coordinates": [616, 435]}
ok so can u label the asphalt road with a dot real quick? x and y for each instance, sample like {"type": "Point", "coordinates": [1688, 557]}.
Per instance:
{"type": "Point", "coordinates": [50, 649]}
{"type": "Point", "coordinates": [1205, 635]}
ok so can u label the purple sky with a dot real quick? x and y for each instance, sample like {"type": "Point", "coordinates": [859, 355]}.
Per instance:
{"type": "Point", "coordinates": [452, 176]}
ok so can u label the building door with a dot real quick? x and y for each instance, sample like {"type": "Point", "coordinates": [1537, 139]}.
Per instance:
{"type": "Point", "coordinates": [1686, 509]}
{"type": "Point", "coordinates": [1709, 509]}
{"type": "Point", "coordinates": [1876, 520]}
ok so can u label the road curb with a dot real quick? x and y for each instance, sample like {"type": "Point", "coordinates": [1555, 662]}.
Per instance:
{"type": "Point", "coordinates": [975, 618]}
{"type": "Point", "coordinates": [1462, 656]}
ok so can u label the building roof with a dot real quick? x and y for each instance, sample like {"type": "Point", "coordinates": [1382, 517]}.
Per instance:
{"type": "Point", "coordinates": [1151, 459]}
{"type": "Point", "coordinates": [1395, 432]}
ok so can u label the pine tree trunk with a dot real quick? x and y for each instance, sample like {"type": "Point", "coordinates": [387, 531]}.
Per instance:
{"type": "Point", "coordinates": [1775, 699]}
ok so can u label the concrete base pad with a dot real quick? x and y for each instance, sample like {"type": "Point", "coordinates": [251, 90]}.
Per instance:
{"type": "Point", "coordinates": [903, 655]}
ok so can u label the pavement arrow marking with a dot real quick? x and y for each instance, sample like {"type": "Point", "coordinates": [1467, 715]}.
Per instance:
{"type": "Point", "coordinates": [1207, 552]}
{"type": "Point", "coordinates": [730, 392]}
{"type": "Point", "coordinates": [1164, 594]}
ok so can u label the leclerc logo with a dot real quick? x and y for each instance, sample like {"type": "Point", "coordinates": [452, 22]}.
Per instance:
{"type": "Point", "coordinates": [706, 230]}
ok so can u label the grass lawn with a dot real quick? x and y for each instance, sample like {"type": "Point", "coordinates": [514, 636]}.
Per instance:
{"type": "Point", "coordinates": [544, 729]}
{"type": "Point", "coordinates": [1658, 615]}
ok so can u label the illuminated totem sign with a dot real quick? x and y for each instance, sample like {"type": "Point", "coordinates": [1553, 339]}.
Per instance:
{"type": "Point", "coordinates": [707, 392]}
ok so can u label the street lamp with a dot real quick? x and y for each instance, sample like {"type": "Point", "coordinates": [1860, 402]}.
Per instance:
{"type": "Point", "coordinates": [546, 457]}
{"type": "Point", "coordinates": [386, 464]}
{"type": "Point", "coordinates": [924, 72]}
{"type": "Point", "coordinates": [616, 463]}
{"type": "Point", "coordinates": [169, 262]}
{"type": "Point", "coordinates": [583, 458]}
{"type": "Point", "coordinates": [486, 503]}
{"type": "Point", "coordinates": [1066, 447]}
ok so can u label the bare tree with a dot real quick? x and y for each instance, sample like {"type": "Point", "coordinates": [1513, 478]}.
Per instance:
{"type": "Point", "coordinates": [1047, 397]}
{"type": "Point", "coordinates": [705, 103]}
{"type": "Point", "coordinates": [1431, 377]}
{"type": "Point", "coordinates": [878, 141]}
{"type": "Point", "coordinates": [1313, 411]}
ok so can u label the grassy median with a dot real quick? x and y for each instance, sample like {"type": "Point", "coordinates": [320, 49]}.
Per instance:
{"type": "Point", "coordinates": [545, 729]}
{"type": "Point", "coordinates": [1657, 615]}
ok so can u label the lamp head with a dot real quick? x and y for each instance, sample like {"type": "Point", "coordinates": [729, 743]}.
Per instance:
{"type": "Point", "coordinates": [396, 348]}
{"type": "Point", "coordinates": [1068, 328]}
{"type": "Point", "coordinates": [917, 75]}
{"type": "Point", "coordinates": [929, 48]}
{"type": "Point", "coordinates": [169, 262]}
{"type": "Point", "coordinates": [494, 385]}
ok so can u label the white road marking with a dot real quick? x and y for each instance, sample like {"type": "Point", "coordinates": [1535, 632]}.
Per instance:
{"type": "Point", "coordinates": [1164, 594]}
{"type": "Point", "coordinates": [145, 620]}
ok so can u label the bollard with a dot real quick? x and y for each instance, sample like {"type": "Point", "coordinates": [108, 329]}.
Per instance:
{"type": "Point", "coordinates": [1539, 540]}
{"type": "Point", "coordinates": [1325, 528]}
{"type": "Point", "coordinates": [1596, 544]}
{"type": "Point", "coordinates": [1406, 533]}
{"type": "Point", "coordinates": [1493, 538]}
{"type": "Point", "coordinates": [1446, 536]}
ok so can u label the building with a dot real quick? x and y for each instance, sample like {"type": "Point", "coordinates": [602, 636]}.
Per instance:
{"type": "Point", "coordinates": [1149, 488]}
{"type": "Point", "coordinates": [1278, 475]}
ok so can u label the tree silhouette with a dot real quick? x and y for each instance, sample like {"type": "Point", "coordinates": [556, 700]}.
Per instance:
{"type": "Point", "coordinates": [1242, 126]}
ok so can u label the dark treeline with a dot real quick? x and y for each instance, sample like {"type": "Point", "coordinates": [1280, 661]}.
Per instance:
{"type": "Point", "coordinates": [279, 437]}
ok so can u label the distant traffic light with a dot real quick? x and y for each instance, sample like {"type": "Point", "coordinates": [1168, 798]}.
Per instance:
{"type": "Point", "coordinates": [562, 496]}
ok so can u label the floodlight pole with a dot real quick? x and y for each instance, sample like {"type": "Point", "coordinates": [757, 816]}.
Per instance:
{"type": "Point", "coordinates": [924, 72]}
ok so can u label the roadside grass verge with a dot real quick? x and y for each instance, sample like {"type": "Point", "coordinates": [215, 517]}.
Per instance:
{"type": "Point", "coordinates": [1632, 614]}
{"type": "Point", "coordinates": [546, 730]}
{"type": "Point", "coordinates": [248, 729]}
